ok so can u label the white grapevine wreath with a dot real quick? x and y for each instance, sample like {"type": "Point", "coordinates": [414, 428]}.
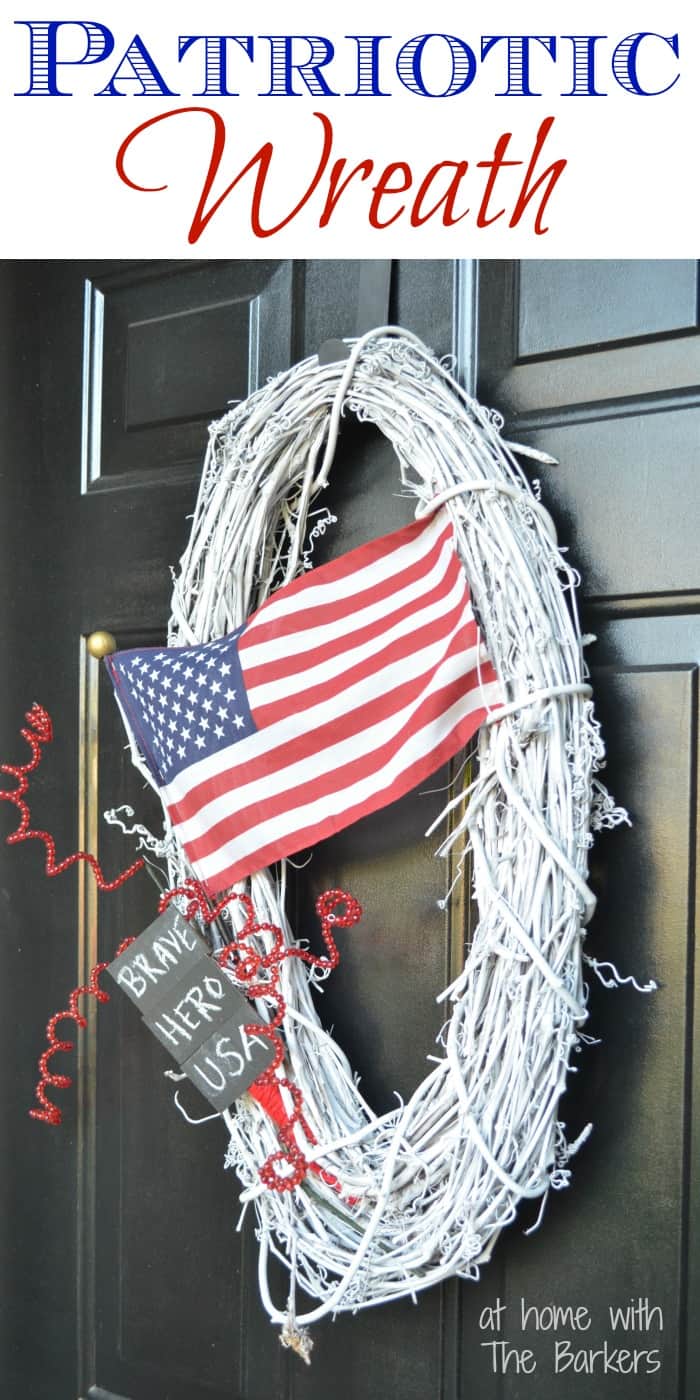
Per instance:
{"type": "Point", "coordinates": [436, 1179]}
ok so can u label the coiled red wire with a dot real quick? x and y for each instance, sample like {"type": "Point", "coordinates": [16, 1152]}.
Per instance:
{"type": "Point", "coordinates": [39, 732]}
{"type": "Point", "coordinates": [259, 974]}
{"type": "Point", "coordinates": [335, 908]}
{"type": "Point", "coordinates": [49, 1112]}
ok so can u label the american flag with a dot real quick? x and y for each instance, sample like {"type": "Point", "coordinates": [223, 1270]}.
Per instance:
{"type": "Point", "coordinates": [344, 690]}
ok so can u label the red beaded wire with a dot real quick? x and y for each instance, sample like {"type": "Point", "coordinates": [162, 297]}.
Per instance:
{"type": "Point", "coordinates": [50, 1112]}
{"type": "Point", "coordinates": [41, 732]}
{"type": "Point", "coordinates": [247, 964]}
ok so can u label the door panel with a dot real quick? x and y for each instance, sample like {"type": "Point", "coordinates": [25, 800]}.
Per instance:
{"type": "Point", "coordinates": [164, 348]}
{"type": "Point", "coordinates": [624, 525]}
{"type": "Point", "coordinates": [566, 339]}
{"type": "Point", "coordinates": [123, 1223]}
{"type": "Point", "coordinates": [613, 301]}
{"type": "Point", "coordinates": [625, 499]}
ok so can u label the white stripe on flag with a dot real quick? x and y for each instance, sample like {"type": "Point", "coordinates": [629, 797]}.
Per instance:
{"type": "Point", "coordinates": [311, 638]}
{"type": "Point", "coordinates": [342, 664]}
{"type": "Point", "coordinates": [356, 581]}
{"type": "Point", "coordinates": [365, 692]}
{"type": "Point", "coordinates": [300, 817]}
{"type": "Point", "coordinates": [325, 760]}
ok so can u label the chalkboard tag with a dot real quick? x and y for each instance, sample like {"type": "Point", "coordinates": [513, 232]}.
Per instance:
{"type": "Point", "coordinates": [164, 953]}
{"type": "Point", "coordinates": [226, 1064]}
{"type": "Point", "coordinates": [195, 1007]}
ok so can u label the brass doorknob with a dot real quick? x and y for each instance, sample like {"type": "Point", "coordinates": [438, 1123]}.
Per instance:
{"type": "Point", "coordinates": [101, 644]}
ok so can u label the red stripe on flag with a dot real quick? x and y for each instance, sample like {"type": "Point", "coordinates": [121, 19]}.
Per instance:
{"type": "Point", "coordinates": [338, 779]}
{"type": "Point", "coordinates": [281, 667]}
{"type": "Point", "coordinates": [375, 551]}
{"type": "Point", "coordinates": [311, 743]}
{"type": "Point", "coordinates": [302, 838]}
{"type": "Point", "coordinates": [402, 649]}
{"type": "Point", "coordinates": [258, 630]}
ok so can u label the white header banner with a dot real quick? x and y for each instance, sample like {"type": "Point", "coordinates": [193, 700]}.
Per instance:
{"type": "Point", "coordinates": [499, 130]}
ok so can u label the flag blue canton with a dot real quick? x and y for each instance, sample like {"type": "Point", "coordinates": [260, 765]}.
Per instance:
{"type": "Point", "coordinates": [183, 703]}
